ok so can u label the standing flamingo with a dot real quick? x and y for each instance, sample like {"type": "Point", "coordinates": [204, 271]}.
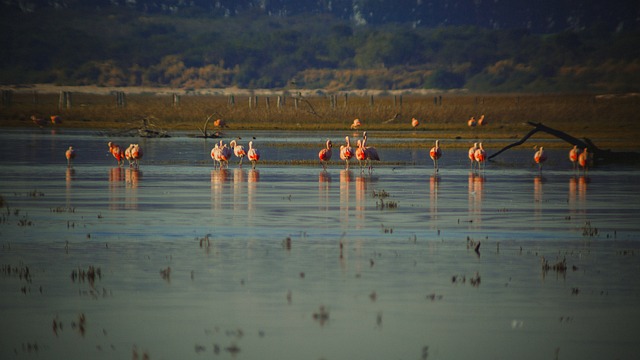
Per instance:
{"type": "Point", "coordinates": [346, 152]}
{"type": "Point", "coordinates": [583, 160]}
{"type": "Point", "coordinates": [117, 152]}
{"type": "Point", "coordinates": [480, 156]}
{"type": "Point", "coordinates": [225, 154]}
{"type": "Point", "coordinates": [356, 124]}
{"type": "Point", "coordinates": [325, 154]}
{"type": "Point", "coordinates": [435, 153]}
{"type": "Point", "coordinates": [540, 157]}
{"type": "Point", "coordinates": [238, 151]}
{"type": "Point", "coordinates": [360, 155]}
{"type": "Point", "coordinates": [472, 121]}
{"type": "Point", "coordinates": [573, 156]}
{"type": "Point", "coordinates": [136, 155]}
{"type": "Point", "coordinates": [482, 121]}
{"type": "Point", "coordinates": [253, 154]}
{"type": "Point", "coordinates": [370, 152]}
{"type": "Point", "coordinates": [215, 156]}
{"type": "Point", "coordinates": [70, 154]}
{"type": "Point", "coordinates": [127, 155]}
{"type": "Point", "coordinates": [472, 154]}
{"type": "Point", "coordinates": [415, 123]}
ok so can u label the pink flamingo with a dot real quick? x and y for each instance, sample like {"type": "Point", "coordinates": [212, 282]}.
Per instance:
{"type": "Point", "coordinates": [435, 153]}
{"type": "Point", "coordinates": [238, 151]}
{"type": "Point", "coordinates": [70, 154]}
{"type": "Point", "coordinates": [253, 154]}
{"type": "Point", "coordinates": [415, 123]}
{"type": "Point", "coordinates": [117, 152]}
{"type": "Point", "coordinates": [482, 121]}
{"type": "Point", "coordinates": [356, 124]}
{"type": "Point", "coordinates": [472, 154]}
{"type": "Point", "coordinates": [472, 121]}
{"type": "Point", "coordinates": [360, 155]}
{"type": "Point", "coordinates": [480, 156]}
{"type": "Point", "coordinates": [127, 155]}
{"type": "Point", "coordinates": [583, 160]}
{"type": "Point", "coordinates": [346, 152]}
{"type": "Point", "coordinates": [325, 154]}
{"type": "Point", "coordinates": [540, 157]}
{"type": "Point", "coordinates": [370, 152]}
{"type": "Point", "coordinates": [215, 156]}
{"type": "Point", "coordinates": [136, 154]}
{"type": "Point", "coordinates": [573, 156]}
{"type": "Point", "coordinates": [225, 154]}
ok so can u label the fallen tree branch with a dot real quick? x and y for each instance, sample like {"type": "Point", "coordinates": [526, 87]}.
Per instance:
{"type": "Point", "coordinates": [598, 154]}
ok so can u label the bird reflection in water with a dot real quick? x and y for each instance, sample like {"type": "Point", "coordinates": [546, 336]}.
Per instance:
{"type": "Point", "coordinates": [70, 176]}
{"type": "Point", "coordinates": [476, 192]}
{"type": "Point", "coordinates": [578, 194]}
{"type": "Point", "coordinates": [116, 184]}
{"type": "Point", "coordinates": [324, 180]}
{"type": "Point", "coordinates": [538, 181]}
{"type": "Point", "coordinates": [434, 184]}
{"type": "Point", "coordinates": [239, 177]}
{"type": "Point", "coordinates": [218, 178]}
{"type": "Point", "coordinates": [346, 178]}
{"type": "Point", "coordinates": [252, 181]}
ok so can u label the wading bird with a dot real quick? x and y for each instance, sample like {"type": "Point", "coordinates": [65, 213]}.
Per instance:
{"type": "Point", "coordinates": [482, 121]}
{"type": "Point", "coordinates": [70, 154]}
{"type": "Point", "coordinates": [238, 151]}
{"type": "Point", "coordinates": [480, 156]}
{"type": "Point", "coordinates": [117, 152]}
{"type": "Point", "coordinates": [583, 160]}
{"type": "Point", "coordinates": [225, 154]}
{"type": "Point", "coordinates": [346, 152]}
{"type": "Point", "coordinates": [472, 154]}
{"type": "Point", "coordinates": [540, 157]}
{"type": "Point", "coordinates": [127, 155]}
{"type": "Point", "coordinates": [136, 155]}
{"type": "Point", "coordinates": [415, 123]}
{"type": "Point", "coordinates": [325, 154]}
{"type": "Point", "coordinates": [253, 154]}
{"type": "Point", "coordinates": [573, 156]}
{"type": "Point", "coordinates": [472, 121]}
{"type": "Point", "coordinates": [370, 152]}
{"type": "Point", "coordinates": [215, 156]}
{"type": "Point", "coordinates": [435, 153]}
{"type": "Point", "coordinates": [356, 124]}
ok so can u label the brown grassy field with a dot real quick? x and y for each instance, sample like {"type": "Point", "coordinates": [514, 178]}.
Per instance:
{"type": "Point", "coordinates": [609, 121]}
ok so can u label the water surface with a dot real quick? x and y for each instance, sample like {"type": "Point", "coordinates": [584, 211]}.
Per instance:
{"type": "Point", "coordinates": [291, 262]}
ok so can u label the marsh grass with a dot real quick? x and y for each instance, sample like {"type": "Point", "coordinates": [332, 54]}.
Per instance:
{"type": "Point", "coordinates": [610, 121]}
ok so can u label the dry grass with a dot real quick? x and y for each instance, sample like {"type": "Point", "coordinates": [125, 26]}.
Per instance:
{"type": "Point", "coordinates": [610, 121]}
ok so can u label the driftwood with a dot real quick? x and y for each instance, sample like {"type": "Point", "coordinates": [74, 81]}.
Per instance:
{"type": "Point", "coordinates": [599, 155]}
{"type": "Point", "coordinates": [205, 134]}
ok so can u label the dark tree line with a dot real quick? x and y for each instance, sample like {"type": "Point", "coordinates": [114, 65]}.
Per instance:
{"type": "Point", "coordinates": [324, 44]}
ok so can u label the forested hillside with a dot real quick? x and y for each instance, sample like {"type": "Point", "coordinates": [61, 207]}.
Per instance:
{"type": "Point", "coordinates": [336, 45]}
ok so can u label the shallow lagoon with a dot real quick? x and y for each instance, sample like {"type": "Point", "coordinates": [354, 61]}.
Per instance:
{"type": "Point", "coordinates": [364, 275]}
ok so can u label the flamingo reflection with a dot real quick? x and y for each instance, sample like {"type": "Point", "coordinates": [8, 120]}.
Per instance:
{"type": "Point", "coordinates": [537, 196]}
{"type": "Point", "coordinates": [218, 178]}
{"type": "Point", "coordinates": [476, 192]}
{"type": "Point", "coordinates": [253, 179]}
{"type": "Point", "coordinates": [239, 178]}
{"type": "Point", "coordinates": [346, 178]}
{"type": "Point", "coordinates": [434, 184]}
{"type": "Point", "coordinates": [578, 194]}
{"type": "Point", "coordinates": [116, 184]}
{"type": "Point", "coordinates": [324, 180]}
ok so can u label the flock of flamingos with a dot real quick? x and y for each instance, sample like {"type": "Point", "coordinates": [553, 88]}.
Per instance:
{"type": "Point", "coordinates": [222, 153]}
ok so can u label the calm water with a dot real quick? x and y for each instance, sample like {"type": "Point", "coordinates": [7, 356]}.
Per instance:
{"type": "Point", "coordinates": [377, 266]}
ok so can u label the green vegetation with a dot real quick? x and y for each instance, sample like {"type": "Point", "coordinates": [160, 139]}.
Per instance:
{"type": "Point", "coordinates": [123, 47]}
